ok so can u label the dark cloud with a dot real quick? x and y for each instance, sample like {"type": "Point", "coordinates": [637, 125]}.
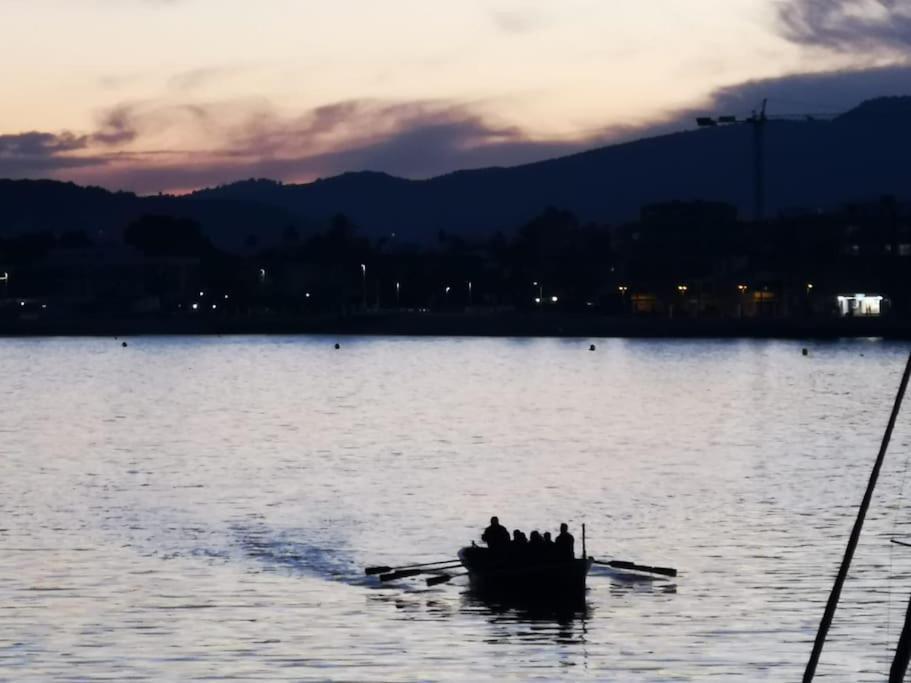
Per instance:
{"type": "Point", "coordinates": [27, 154]}
{"type": "Point", "coordinates": [827, 92]}
{"type": "Point", "coordinates": [40, 144]}
{"type": "Point", "coordinates": [848, 25]}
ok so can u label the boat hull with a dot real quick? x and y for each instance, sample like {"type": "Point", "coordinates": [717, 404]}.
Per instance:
{"type": "Point", "coordinates": [503, 575]}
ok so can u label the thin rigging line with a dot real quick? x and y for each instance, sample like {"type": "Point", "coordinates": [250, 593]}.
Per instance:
{"type": "Point", "coordinates": [899, 508]}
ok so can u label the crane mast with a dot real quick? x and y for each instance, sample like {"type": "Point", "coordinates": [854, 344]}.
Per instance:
{"type": "Point", "coordinates": [757, 121]}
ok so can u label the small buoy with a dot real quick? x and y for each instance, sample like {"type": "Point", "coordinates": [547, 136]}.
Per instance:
{"type": "Point", "coordinates": [591, 348]}
{"type": "Point", "coordinates": [337, 347]}
{"type": "Point", "coordinates": [805, 352]}
{"type": "Point", "coordinates": [124, 345]}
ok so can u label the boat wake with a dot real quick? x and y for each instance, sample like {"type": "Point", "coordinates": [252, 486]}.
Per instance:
{"type": "Point", "coordinates": [287, 550]}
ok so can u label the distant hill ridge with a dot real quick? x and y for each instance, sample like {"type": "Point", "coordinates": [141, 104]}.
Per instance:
{"type": "Point", "coordinates": [814, 164]}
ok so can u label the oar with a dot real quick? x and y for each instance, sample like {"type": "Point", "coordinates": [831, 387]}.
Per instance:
{"type": "Point", "coordinates": [406, 573]}
{"type": "Point", "coordinates": [444, 578]}
{"type": "Point", "coordinates": [382, 569]}
{"type": "Point", "coordinates": [620, 564]}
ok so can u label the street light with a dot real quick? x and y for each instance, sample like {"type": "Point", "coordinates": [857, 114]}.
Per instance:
{"type": "Point", "coordinates": [397, 291]}
{"type": "Point", "coordinates": [623, 289]}
{"type": "Point", "coordinates": [682, 289]}
{"type": "Point", "coordinates": [742, 289]}
{"type": "Point", "coordinates": [364, 283]}
{"type": "Point", "coordinates": [554, 299]}
{"type": "Point", "coordinates": [469, 292]}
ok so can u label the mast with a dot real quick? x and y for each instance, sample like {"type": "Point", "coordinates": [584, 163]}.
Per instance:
{"type": "Point", "coordinates": [826, 622]}
{"type": "Point", "coordinates": [902, 652]}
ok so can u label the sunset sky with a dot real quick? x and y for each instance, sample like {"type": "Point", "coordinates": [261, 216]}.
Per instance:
{"type": "Point", "coordinates": [170, 95]}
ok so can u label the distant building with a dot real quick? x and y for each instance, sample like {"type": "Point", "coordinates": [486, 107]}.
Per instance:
{"type": "Point", "coordinates": [862, 305]}
{"type": "Point", "coordinates": [688, 214]}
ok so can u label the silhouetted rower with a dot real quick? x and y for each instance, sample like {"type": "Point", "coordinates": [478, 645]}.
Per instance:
{"type": "Point", "coordinates": [495, 536]}
{"type": "Point", "coordinates": [548, 549]}
{"type": "Point", "coordinates": [565, 544]}
{"type": "Point", "coordinates": [536, 546]}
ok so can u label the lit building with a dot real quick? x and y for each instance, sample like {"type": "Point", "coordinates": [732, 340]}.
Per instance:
{"type": "Point", "coordinates": [861, 305]}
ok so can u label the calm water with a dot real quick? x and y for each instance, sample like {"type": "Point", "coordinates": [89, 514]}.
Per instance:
{"type": "Point", "coordinates": [199, 509]}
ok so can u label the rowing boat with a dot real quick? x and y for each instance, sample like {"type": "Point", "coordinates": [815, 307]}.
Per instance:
{"type": "Point", "coordinates": [502, 573]}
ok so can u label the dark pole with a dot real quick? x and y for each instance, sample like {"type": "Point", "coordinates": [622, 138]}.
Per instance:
{"type": "Point", "coordinates": [855, 533]}
{"type": "Point", "coordinates": [759, 121]}
{"type": "Point", "coordinates": [902, 652]}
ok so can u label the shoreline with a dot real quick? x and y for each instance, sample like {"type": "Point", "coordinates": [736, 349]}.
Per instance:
{"type": "Point", "coordinates": [465, 325]}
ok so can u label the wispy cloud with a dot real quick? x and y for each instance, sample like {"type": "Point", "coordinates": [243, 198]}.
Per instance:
{"type": "Point", "coordinates": [195, 79]}
{"type": "Point", "coordinates": [411, 139]}
{"type": "Point", "coordinates": [518, 19]}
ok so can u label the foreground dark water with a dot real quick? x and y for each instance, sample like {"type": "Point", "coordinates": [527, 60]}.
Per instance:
{"type": "Point", "coordinates": [202, 508]}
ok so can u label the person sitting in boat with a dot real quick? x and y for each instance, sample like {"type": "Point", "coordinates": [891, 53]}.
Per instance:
{"type": "Point", "coordinates": [495, 536]}
{"type": "Point", "coordinates": [518, 549]}
{"type": "Point", "coordinates": [536, 546]}
{"type": "Point", "coordinates": [565, 544]}
{"type": "Point", "coordinates": [548, 549]}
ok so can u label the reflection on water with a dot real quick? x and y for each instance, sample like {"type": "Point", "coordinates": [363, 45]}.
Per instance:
{"type": "Point", "coordinates": [562, 622]}
{"type": "Point", "coordinates": [204, 508]}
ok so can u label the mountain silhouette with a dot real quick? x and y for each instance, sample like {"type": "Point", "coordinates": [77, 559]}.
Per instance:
{"type": "Point", "coordinates": [810, 164]}
{"type": "Point", "coordinates": [29, 206]}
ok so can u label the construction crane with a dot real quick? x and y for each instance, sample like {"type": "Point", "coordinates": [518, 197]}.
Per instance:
{"type": "Point", "coordinates": [757, 121]}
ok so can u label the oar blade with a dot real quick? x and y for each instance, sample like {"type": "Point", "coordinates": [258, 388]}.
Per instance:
{"type": "Point", "coordinates": [383, 569]}
{"type": "Point", "coordinates": [437, 580]}
{"type": "Point", "coordinates": [648, 569]}
{"type": "Point", "coordinates": [404, 574]}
